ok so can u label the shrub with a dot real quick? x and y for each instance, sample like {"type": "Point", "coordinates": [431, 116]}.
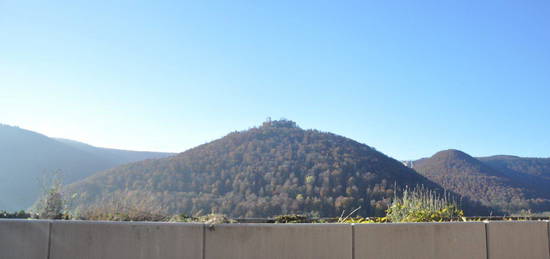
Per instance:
{"type": "Point", "coordinates": [291, 219]}
{"type": "Point", "coordinates": [361, 220]}
{"type": "Point", "coordinates": [183, 218]}
{"type": "Point", "coordinates": [209, 219]}
{"type": "Point", "coordinates": [423, 205]}
{"type": "Point", "coordinates": [122, 210]}
{"type": "Point", "coordinates": [51, 204]}
{"type": "Point", "coordinates": [15, 215]}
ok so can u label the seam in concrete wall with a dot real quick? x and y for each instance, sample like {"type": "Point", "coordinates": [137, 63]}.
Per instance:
{"type": "Point", "coordinates": [486, 240]}
{"type": "Point", "coordinates": [548, 229]}
{"type": "Point", "coordinates": [203, 241]}
{"type": "Point", "coordinates": [49, 240]}
{"type": "Point", "coordinates": [353, 241]}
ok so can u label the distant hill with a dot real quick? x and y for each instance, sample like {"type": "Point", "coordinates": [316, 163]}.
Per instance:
{"type": "Point", "coordinates": [487, 180]}
{"type": "Point", "coordinates": [117, 156]}
{"type": "Point", "coordinates": [277, 168]}
{"type": "Point", "coordinates": [25, 156]}
{"type": "Point", "coordinates": [539, 167]}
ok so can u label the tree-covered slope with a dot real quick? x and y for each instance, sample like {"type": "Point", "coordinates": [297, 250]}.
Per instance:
{"type": "Point", "coordinates": [273, 169]}
{"type": "Point", "coordinates": [538, 167]}
{"type": "Point", "coordinates": [459, 172]}
{"type": "Point", "coordinates": [26, 156]}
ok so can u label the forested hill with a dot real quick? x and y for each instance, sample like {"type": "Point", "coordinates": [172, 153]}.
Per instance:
{"type": "Point", "coordinates": [273, 169]}
{"type": "Point", "coordinates": [486, 180]}
{"type": "Point", "coordinates": [26, 156]}
{"type": "Point", "coordinates": [539, 167]}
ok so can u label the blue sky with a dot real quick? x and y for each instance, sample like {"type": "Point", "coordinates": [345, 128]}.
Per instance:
{"type": "Point", "coordinates": [409, 78]}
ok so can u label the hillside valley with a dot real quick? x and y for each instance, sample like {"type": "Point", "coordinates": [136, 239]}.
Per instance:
{"type": "Point", "coordinates": [26, 157]}
{"type": "Point", "coordinates": [511, 184]}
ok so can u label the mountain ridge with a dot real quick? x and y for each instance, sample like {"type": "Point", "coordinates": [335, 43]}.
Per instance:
{"type": "Point", "coordinates": [27, 156]}
{"type": "Point", "coordinates": [479, 179]}
{"type": "Point", "coordinates": [276, 168]}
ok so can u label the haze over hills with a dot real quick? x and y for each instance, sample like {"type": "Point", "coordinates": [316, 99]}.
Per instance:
{"type": "Point", "coordinates": [277, 168]}
{"type": "Point", "coordinates": [117, 156]}
{"type": "Point", "coordinates": [508, 183]}
{"type": "Point", "coordinates": [25, 156]}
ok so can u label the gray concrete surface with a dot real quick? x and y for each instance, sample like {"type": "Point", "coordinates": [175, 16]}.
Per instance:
{"type": "Point", "coordinates": [279, 241]}
{"type": "Point", "coordinates": [107, 240]}
{"type": "Point", "coordinates": [518, 239]}
{"type": "Point", "coordinates": [420, 240]}
{"type": "Point", "coordinates": [29, 239]}
{"type": "Point", "coordinates": [24, 239]}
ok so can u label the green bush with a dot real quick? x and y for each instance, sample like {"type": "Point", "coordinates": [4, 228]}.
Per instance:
{"type": "Point", "coordinates": [293, 218]}
{"type": "Point", "coordinates": [423, 205]}
{"type": "Point", "coordinates": [14, 215]}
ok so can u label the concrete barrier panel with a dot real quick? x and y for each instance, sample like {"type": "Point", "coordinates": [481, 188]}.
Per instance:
{"type": "Point", "coordinates": [419, 240]}
{"type": "Point", "coordinates": [115, 240]}
{"type": "Point", "coordinates": [517, 239]}
{"type": "Point", "coordinates": [274, 241]}
{"type": "Point", "coordinates": [548, 225]}
{"type": "Point", "coordinates": [24, 239]}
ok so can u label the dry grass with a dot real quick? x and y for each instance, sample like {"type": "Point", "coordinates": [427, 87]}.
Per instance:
{"type": "Point", "coordinates": [122, 210]}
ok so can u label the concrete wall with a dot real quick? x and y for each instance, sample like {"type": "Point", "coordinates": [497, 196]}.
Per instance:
{"type": "Point", "coordinates": [420, 240]}
{"type": "Point", "coordinates": [518, 239]}
{"type": "Point", "coordinates": [23, 239]}
{"type": "Point", "coordinates": [106, 240]}
{"type": "Point", "coordinates": [30, 239]}
{"type": "Point", "coordinates": [279, 241]}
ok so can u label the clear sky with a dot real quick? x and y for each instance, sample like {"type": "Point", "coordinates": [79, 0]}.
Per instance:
{"type": "Point", "coordinates": [409, 78]}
